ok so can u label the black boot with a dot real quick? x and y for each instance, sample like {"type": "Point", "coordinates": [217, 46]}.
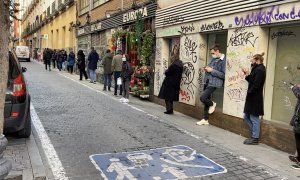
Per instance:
{"type": "Point", "coordinates": [251, 141]}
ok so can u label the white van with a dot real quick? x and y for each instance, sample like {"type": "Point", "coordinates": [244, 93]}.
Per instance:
{"type": "Point", "coordinates": [23, 53]}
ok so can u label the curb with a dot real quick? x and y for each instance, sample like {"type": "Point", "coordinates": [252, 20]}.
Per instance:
{"type": "Point", "coordinates": [38, 169]}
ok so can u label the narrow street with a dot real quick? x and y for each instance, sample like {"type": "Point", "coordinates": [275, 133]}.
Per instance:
{"type": "Point", "coordinates": [80, 120]}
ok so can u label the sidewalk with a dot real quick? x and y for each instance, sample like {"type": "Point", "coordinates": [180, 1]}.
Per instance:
{"type": "Point", "coordinates": [274, 161]}
{"type": "Point", "coordinates": [25, 158]}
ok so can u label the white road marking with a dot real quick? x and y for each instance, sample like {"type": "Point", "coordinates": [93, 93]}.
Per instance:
{"type": "Point", "coordinates": [51, 155]}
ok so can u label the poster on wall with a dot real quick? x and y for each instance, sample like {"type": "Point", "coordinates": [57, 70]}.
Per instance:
{"type": "Point", "coordinates": [189, 54]}
{"type": "Point", "coordinates": [240, 51]}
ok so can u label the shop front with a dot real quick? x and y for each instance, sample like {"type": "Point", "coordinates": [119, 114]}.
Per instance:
{"type": "Point", "coordinates": [273, 29]}
{"type": "Point", "coordinates": [132, 32]}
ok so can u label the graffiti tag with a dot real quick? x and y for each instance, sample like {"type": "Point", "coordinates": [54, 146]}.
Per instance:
{"type": "Point", "coordinates": [190, 49]}
{"type": "Point", "coordinates": [282, 34]}
{"type": "Point", "coordinates": [214, 26]}
{"type": "Point", "coordinates": [241, 37]}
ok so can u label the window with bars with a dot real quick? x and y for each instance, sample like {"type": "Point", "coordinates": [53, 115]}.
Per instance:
{"type": "Point", "coordinates": [84, 6]}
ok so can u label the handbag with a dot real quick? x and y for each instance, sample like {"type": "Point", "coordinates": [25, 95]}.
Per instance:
{"type": "Point", "coordinates": [119, 81]}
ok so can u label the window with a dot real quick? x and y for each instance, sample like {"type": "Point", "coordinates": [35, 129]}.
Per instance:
{"type": "Point", "coordinates": [98, 2]}
{"type": "Point", "coordinates": [84, 6]}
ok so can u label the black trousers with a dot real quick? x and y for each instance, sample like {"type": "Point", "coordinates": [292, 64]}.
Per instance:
{"type": "Point", "coordinates": [48, 63]}
{"type": "Point", "coordinates": [54, 63]}
{"type": "Point", "coordinates": [70, 69]}
{"type": "Point", "coordinates": [206, 100]}
{"type": "Point", "coordinates": [297, 139]}
{"type": "Point", "coordinates": [169, 105]}
{"type": "Point", "coordinates": [83, 72]}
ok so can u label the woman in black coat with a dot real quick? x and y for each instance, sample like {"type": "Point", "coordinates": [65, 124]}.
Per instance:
{"type": "Point", "coordinates": [170, 88]}
{"type": "Point", "coordinates": [81, 64]}
{"type": "Point", "coordinates": [254, 105]}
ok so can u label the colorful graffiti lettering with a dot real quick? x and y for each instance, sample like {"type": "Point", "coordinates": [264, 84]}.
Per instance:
{"type": "Point", "coordinates": [185, 96]}
{"type": "Point", "coordinates": [266, 17]}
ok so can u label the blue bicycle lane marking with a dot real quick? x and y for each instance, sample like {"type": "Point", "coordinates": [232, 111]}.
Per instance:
{"type": "Point", "coordinates": [176, 162]}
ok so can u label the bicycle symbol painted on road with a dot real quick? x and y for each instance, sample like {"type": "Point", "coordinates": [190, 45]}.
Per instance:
{"type": "Point", "coordinates": [177, 162]}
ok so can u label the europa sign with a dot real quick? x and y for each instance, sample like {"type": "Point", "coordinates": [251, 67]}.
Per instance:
{"type": "Point", "coordinates": [131, 16]}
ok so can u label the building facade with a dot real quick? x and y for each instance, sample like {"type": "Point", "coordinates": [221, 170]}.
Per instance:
{"type": "Point", "coordinates": [49, 24]}
{"type": "Point", "coordinates": [242, 29]}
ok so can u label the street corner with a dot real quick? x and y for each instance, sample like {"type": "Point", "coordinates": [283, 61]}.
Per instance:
{"type": "Point", "coordinates": [176, 162]}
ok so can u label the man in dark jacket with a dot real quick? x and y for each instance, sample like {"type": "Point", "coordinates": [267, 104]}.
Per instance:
{"type": "Point", "coordinates": [106, 62]}
{"type": "Point", "coordinates": [214, 78]}
{"type": "Point", "coordinates": [170, 88]}
{"type": "Point", "coordinates": [254, 105]}
{"type": "Point", "coordinates": [47, 58]}
{"type": "Point", "coordinates": [93, 59]}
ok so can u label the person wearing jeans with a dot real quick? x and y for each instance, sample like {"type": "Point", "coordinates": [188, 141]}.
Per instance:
{"type": "Point", "coordinates": [206, 100]}
{"type": "Point", "coordinates": [93, 59]}
{"type": "Point", "coordinates": [254, 105]}
{"type": "Point", "coordinates": [214, 78]}
{"type": "Point", "coordinates": [106, 62]}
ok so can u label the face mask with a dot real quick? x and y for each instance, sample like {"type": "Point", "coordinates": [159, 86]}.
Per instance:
{"type": "Point", "coordinates": [123, 59]}
{"type": "Point", "coordinates": [214, 56]}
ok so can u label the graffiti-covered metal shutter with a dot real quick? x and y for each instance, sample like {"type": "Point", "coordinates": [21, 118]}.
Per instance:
{"type": "Point", "coordinates": [96, 41]}
{"type": "Point", "coordinates": [103, 40]}
{"type": "Point", "coordinates": [203, 9]}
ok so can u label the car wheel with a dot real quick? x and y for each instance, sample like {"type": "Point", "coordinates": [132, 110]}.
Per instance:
{"type": "Point", "coordinates": [26, 131]}
{"type": "Point", "coordinates": [28, 60]}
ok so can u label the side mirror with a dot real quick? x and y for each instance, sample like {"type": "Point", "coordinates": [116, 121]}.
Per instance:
{"type": "Point", "coordinates": [24, 69]}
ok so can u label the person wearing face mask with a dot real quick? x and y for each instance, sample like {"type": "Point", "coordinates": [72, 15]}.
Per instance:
{"type": "Point", "coordinates": [254, 105]}
{"type": "Point", "coordinates": [126, 77]}
{"type": "Point", "coordinates": [214, 78]}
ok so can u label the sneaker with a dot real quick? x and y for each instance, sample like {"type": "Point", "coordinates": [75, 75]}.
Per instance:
{"type": "Point", "coordinates": [212, 108]}
{"type": "Point", "coordinates": [125, 101]}
{"type": "Point", "coordinates": [122, 99]}
{"type": "Point", "coordinates": [251, 141]}
{"type": "Point", "coordinates": [202, 122]}
{"type": "Point", "coordinates": [94, 82]}
{"type": "Point", "coordinates": [295, 166]}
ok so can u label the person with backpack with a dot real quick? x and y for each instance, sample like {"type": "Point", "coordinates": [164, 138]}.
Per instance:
{"type": "Point", "coordinates": [60, 59]}
{"type": "Point", "coordinates": [126, 77]}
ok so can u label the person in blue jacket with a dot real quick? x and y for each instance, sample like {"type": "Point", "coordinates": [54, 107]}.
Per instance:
{"type": "Point", "coordinates": [93, 59]}
{"type": "Point", "coordinates": [71, 62]}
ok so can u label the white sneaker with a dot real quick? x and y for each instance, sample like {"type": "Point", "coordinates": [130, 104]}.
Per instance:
{"type": "Point", "coordinates": [122, 99]}
{"type": "Point", "coordinates": [202, 122]}
{"type": "Point", "coordinates": [125, 101]}
{"type": "Point", "coordinates": [212, 108]}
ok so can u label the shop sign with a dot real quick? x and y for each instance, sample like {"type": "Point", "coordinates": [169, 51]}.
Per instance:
{"type": "Point", "coordinates": [132, 15]}
{"type": "Point", "coordinates": [96, 27]}
{"type": "Point", "coordinates": [80, 31]}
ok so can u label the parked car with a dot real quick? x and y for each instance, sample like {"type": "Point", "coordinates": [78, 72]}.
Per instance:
{"type": "Point", "coordinates": [17, 117]}
{"type": "Point", "coordinates": [23, 53]}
